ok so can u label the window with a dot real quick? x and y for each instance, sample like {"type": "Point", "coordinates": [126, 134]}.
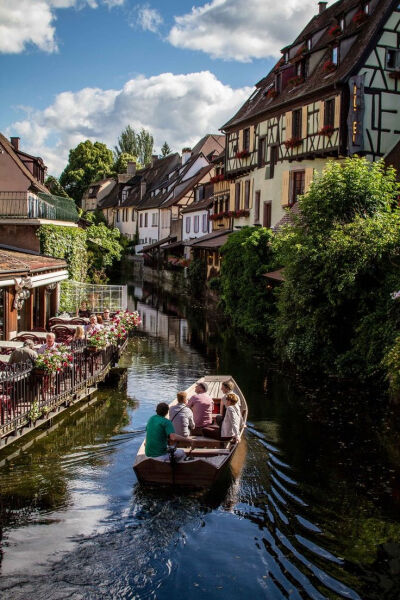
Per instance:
{"type": "Point", "coordinates": [247, 194]}
{"type": "Point", "coordinates": [341, 23]}
{"type": "Point", "coordinates": [196, 223]}
{"type": "Point", "coordinates": [145, 219]}
{"type": "Point", "coordinates": [246, 139]}
{"type": "Point", "coordinates": [267, 214]}
{"type": "Point", "coordinates": [262, 145]}
{"type": "Point", "coordinates": [141, 220]}
{"type": "Point", "coordinates": [133, 214]}
{"type": "Point", "coordinates": [366, 8]}
{"type": "Point", "coordinates": [309, 43]}
{"type": "Point", "coordinates": [204, 227]}
{"type": "Point", "coordinates": [329, 118]}
{"type": "Point", "coordinates": [117, 216]}
{"type": "Point", "coordinates": [297, 188]}
{"type": "Point", "coordinates": [187, 224]}
{"type": "Point", "coordinates": [257, 197]}
{"type": "Point", "coordinates": [392, 58]}
{"type": "Point", "coordinates": [154, 219]}
{"type": "Point", "coordinates": [335, 55]}
{"type": "Point", "coordinates": [237, 196]}
{"type": "Point", "coordinates": [296, 124]}
{"type": "Point", "coordinates": [273, 160]}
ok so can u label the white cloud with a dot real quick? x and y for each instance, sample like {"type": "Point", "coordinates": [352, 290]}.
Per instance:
{"type": "Point", "coordinates": [28, 22]}
{"type": "Point", "coordinates": [149, 19]}
{"type": "Point", "coordinates": [237, 30]}
{"type": "Point", "coordinates": [176, 108]}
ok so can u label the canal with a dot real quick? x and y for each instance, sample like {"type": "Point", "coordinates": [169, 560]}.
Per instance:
{"type": "Point", "coordinates": [310, 508]}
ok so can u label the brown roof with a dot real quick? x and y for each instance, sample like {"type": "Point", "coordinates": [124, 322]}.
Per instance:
{"type": "Point", "coordinates": [200, 205]}
{"type": "Point", "coordinates": [9, 148]}
{"type": "Point", "coordinates": [215, 239]}
{"type": "Point", "coordinates": [188, 185]}
{"type": "Point", "coordinates": [14, 260]}
{"type": "Point", "coordinates": [275, 275]}
{"type": "Point", "coordinates": [211, 143]}
{"type": "Point", "coordinates": [359, 40]}
{"type": "Point", "coordinates": [165, 240]}
{"type": "Point", "coordinates": [287, 217]}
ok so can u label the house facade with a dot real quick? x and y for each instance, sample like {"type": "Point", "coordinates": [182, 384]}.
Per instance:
{"type": "Point", "coordinates": [334, 93]}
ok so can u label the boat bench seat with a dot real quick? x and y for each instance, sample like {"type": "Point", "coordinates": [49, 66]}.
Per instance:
{"type": "Point", "coordinates": [206, 451]}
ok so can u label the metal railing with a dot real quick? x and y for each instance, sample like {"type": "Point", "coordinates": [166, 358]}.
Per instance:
{"type": "Point", "coordinates": [28, 394]}
{"type": "Point", "coordinates": [26, 205]}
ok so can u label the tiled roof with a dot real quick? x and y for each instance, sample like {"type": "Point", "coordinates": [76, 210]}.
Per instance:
{"type": "Point", "coordinates": [200, 205]}
{"type": "Point", "coordinates": [359, 38]}
{"type": "Point", "coordinates": [9, 148]}
{"type": "Point", "coordinates": [14, 260]}
{"type": "Point", "coordinates": [287, 217]}
{"type": "Point", "coordinates": [215, 239]}
{"type": "Point", "coordinates": [210, 144]}
{"type": "Point", "coordinates": [187, 185]}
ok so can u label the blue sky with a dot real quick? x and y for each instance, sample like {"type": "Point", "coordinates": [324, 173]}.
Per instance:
{"type": "Point", "coordinates": [77, 69]}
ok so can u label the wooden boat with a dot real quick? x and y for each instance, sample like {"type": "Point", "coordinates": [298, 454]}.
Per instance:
{"type": "Point", "coordinates": [205, 462]}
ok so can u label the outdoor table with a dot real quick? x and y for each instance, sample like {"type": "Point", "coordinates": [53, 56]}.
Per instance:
{"type": "Point", "coordinates": [11, 344]}
{"type": "Point", "coordinates": [41, 335]}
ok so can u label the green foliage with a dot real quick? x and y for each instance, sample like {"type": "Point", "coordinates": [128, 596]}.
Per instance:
{"type": "Point", "coordinates": [87, 163]}
{"type": "Point", "coordinates": [121, 162]}
{"type": "Point", "coordinates": [139, 144]}
{"type": "Point", "coordinates": [196, 276]}
{"type": "Point", "coordinates": [68, 243]}
{"type": "Point", "coordinates": [54, 187]}
{"type": "Point", "coordinates": [335, 311]}
{"type": "Point", "coordinates": [246, 256]}
{"type": "Point", "coordinates": [104, 248]}
{"type": "Point", "coordinates": [165, 150]}
{"type": "Point", "coordinates": [391, 361]}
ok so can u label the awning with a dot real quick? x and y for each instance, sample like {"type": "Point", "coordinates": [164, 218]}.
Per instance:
{"type": "Point", "coordinates": [159, 243]}
{"type": "Point", "coordinates": [173, 245]}
{"type": "Point", "coordinates": [211, 243]}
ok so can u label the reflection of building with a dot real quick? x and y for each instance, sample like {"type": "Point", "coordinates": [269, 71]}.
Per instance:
{"type": "Point", "coordinates": [166, 327]}
{"type": "Point", "coordinates": [28, 290]}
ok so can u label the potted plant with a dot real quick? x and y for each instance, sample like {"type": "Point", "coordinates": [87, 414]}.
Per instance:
{"type": "Point", "coordinates": [327, 130]}
{"type": "Point", "coordinates": [293, 142]}
{"type": "Point", "coordinates": [335, 30]}
{"type": "Point", "coordinates": [53, 361]}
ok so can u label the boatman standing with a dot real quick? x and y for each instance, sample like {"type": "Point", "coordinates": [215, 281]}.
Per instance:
{"type": "Point", "coordinates": [160, 430]}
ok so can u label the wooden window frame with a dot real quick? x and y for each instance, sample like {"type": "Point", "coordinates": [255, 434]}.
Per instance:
{"type": "Point", "coordinates": [292, 189]}
{"type": "Point", "coordinates": [237, 195]}
{"type": "Point", "coordinates": [262, 148]}
{"type": "Point", "coordinates": [204, 224]}
{"type": "Point", "coordinates": [267, 222]}
{"type": "Point", "coordinates": [296, 123]}
{"type": "Point", "coordinates": [329, 112]}
{"type": "Point", "coordinates": [246, 139]}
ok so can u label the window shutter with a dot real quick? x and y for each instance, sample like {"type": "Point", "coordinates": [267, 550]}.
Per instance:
{"type": "Point", "coordinates": [240, 143]}
{"type": "Point", "coordinates": [251, 143]}
{"type": "Point", "coordinates": [321, 115]}
{"type": "Point", "coordinates": [304, 122]}
{"type": "Point", "coordinates": [289, 121]}
{"type": "Point", "coordinates": [337, 112]}
{"type": "Point", "coordinates": [285, 188]}
{"type": "Point", "coordinates": [308, 177]}
{"type": "Point", "coordinates": [251, 194]}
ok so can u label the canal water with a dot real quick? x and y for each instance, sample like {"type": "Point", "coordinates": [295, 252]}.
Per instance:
{"type": "Point", "coordinates": [310, 508]}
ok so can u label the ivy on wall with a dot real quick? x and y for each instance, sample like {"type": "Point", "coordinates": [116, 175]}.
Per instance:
{"type": "Point", "coordinates": [68, 243]}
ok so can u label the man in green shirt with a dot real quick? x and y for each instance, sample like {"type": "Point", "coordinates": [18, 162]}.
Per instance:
{"type": "Point", "coordinates": [159, 431]}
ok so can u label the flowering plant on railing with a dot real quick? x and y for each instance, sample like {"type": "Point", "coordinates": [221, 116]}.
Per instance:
{"type": "Point", "coordinates": [129, 319]}
{"type": "Point", "coordinates": [335, 30]}
{"type": "Point", "coordinates": [329, 66]}
{"type": "Point", "coordinates": [293, 142]}
{"type": "Point", "coordinates": [296, 80]}
{"type": "Point", "coordinates": [116, 333]}
{"type": "Point", "coordinates": [242, 154]}
{"type": "Point", "coordinates": [327, 130]}
{"type": "Point", "coordinates": [98, 339]}
{"type": "Point", "coordinates": [359, 17]}
{"type": "Point", "coordinates": [243, 212]}
{"type": "Point", "coordinates": [217, 178]}
{"type": "Point", "coordinates": [55, 360]}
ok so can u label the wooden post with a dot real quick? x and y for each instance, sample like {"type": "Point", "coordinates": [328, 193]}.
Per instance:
{"type": "Point", "coordinates": [53, 302]}
{"type": "Point", "coordinates": [42, 307]}
{"type": "Point", "coordinates": [10, 314]}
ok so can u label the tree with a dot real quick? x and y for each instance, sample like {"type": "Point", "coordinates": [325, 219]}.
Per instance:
{"type": "Point", "coordinates": [54, 187]}
{"type": "Point", "coordinates": [87, 163]}
{"type": "Point", "coordinates": [246, 256]}
{"type": "Point", "coordinates": [165, 150]}
{"type": "Point", "coordinates": [121, 162]}
{"type": "Point", "coordinates": [137, 144]}
{"type": "Point", "coordinates": [341, 254]}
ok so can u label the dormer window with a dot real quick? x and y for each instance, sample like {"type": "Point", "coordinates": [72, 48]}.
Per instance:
{"type": "Point", "coordinates": [335, 55]}
{"type": "Point", "coordinates": [341, 23]}
{"type": "Point", "coordinates": [366, 8]}
{"type": "Point", "coordinates": [286, 57]}
{"type": "Point", "coordinates": [309, 43]}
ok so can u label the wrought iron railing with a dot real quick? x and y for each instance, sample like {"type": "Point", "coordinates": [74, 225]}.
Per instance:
{"type": "Point", "coordinates": [28, 394]}
{"type": "Point", "coordinates": [26, 205]}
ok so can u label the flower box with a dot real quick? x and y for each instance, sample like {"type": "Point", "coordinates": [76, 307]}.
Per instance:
{"type": "Point", "coordinates": [297, 80]}
{"type": "Point", "coordinates": [272, 93]}
{"type": "Point", "coordinates": [327, 130]}
{"type": "Point", "coordinates": [293, 142]}
{"type": "Point", "coordinates": [359, 17]}
{"type": "Point", "coordinates": [242, 213]}
{"type": "Point", "coordinates": [329, 66]}
{"type": "Point", "coordinates": [335, 30]}
{"type": "Point", "coordinates": [242, 154]}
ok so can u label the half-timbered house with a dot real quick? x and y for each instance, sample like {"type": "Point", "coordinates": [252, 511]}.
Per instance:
{"type": "Point", "coordinates": [335, 92]}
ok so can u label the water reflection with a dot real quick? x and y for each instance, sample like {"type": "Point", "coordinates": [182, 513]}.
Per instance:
{"type": "Point", "coordinates": [289, 521]}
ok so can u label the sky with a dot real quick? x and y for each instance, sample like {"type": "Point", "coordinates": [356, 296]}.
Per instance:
{"type": "Point", "coordinates": [72, 70]}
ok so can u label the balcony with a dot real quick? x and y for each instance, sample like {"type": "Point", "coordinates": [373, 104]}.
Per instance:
{"type": "Point", "coordinates": [26, 205]}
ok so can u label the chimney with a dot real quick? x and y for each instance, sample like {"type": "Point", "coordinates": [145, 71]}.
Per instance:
{"type": "Point", "coordinates": [186, 154]}
{"type": "Point", "coordinates": [15, 142]}
{"type": "Point", "coordinates": [154, 157]}
{"type": "Point", "coordinates": [143, 187]}
{"type": "Point", "coordinates": [131, 168]}
{"type": "Point", "coordinates": [322, 6]}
